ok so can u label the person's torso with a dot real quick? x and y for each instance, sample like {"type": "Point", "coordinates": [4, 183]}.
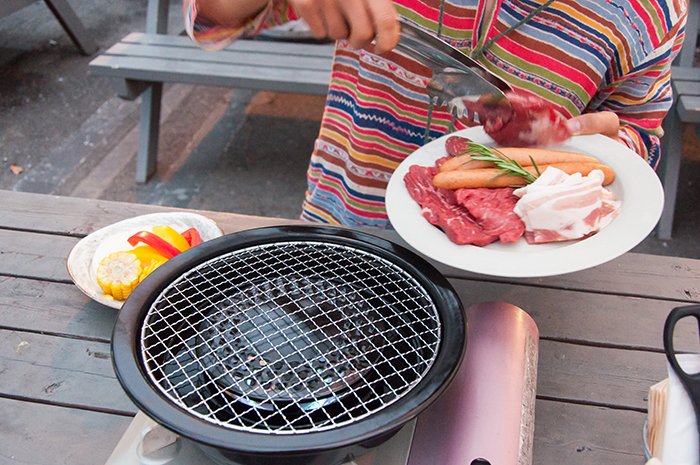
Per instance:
{"type": "Point", "coordinates": [569, 52]}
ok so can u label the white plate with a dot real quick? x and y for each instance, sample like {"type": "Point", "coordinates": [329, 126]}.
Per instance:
{"type": "Point", "coordinates": [87, 253]}
{"type": "Point", "coordinates": [636, 184]}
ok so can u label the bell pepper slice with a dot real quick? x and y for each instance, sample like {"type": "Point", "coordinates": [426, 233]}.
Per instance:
{"type": "Point", "coordinates": [172, 236]}
{"type": "Point", "coordinates": [192, 236]}
{"type": "Point", "coordinates": [161, 245]}
{"type": "Point", "coordinates": [146, 254]}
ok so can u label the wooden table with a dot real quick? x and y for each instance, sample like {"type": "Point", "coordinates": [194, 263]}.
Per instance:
{"type": "Point", "coordinates": [60, 403]}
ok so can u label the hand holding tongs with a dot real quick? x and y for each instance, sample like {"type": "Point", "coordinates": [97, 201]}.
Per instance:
{"type": "Point", "coordinates": [690, 381]}
{"type": "Point", "coordinates": [455, 75]}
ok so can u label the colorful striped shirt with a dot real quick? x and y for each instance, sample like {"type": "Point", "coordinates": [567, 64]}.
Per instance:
{"type": "Point", "coordinates": [580, 55]}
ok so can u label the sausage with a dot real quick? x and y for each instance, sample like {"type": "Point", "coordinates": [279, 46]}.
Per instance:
{"type": "Point", "coordinates": [494, 178]}
{"type": "Point", "coordinates": [521, 155]}
{"type": "Point", "coordinates": [471, 179]}
{"type": "Point", "coordinates": [464, 162]}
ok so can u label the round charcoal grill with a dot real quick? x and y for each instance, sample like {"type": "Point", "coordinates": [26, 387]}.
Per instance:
{"type": "Point", "coordinates": [311, 337]}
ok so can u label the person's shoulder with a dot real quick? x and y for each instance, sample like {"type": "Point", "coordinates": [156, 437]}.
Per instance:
{"type": "Point", "coordinates": [660, 16]}
{"type": "Point", "coordinates": [670, 9]}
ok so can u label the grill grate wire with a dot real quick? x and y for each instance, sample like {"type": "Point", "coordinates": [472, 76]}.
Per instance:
{"type": "Point", "coordinates": [290, 337]}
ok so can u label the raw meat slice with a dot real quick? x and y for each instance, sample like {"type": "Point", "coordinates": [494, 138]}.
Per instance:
{"type": "Point", "coordinates": [530, 121]}
{"type": "Point", "coordinates": [562, 207]}
{"type": "Point", "coordinates": [493, 210]}
{"type": "Point", "coordinates": [440, 208]}
{"type": "Point", "coordinates": [456, 145]}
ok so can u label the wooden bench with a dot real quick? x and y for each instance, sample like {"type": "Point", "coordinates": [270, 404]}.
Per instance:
{"type": "Point", "coordinates": [685, 82]}
{"type": "Point", "coordinates": [65, 15]}
{"type": "Point", "coordinates": [142, 62]}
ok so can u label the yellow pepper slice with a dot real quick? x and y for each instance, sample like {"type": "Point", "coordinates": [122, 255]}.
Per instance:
{"type": "Point", "coordinates": [173, 237]}
{"type": "Point", "coordinates": [146, 254]}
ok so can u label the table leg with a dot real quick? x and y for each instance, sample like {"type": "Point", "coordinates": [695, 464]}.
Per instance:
{"type": "Point", "coordinates": [72, 25]}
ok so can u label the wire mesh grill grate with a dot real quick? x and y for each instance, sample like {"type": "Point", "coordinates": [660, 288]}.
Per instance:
{"type": "Point", "coordinates": [290, 337]}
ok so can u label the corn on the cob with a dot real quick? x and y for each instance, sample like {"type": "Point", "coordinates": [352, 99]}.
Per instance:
{"type": "Point", "coordinates": [148, 269]}
{"type": "Point", "coordinates": [118, 274]}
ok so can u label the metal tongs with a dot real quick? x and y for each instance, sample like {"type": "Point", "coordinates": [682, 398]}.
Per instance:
{"type": "Point", "coordinates": [455, 75]}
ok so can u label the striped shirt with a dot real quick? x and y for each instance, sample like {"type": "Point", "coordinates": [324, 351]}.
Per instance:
{"type": "Point", "coordinates": [580, 55]}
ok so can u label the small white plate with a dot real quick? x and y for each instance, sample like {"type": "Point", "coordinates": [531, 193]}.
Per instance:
{"type": "Point", "coordinates": [87, 253]}
{"type": "Point", "coordinates": [636, 184]}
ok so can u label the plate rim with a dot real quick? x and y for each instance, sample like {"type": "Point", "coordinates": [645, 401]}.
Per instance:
{"type": "Point", "coordinates": [563, 258]}
{"type": "Point", "coordinates": [85, 245]}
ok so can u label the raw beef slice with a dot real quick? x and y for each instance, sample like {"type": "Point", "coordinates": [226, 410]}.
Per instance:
{"type": "Point", "coordinates": [530, 121]}
{"type": "Point", "coordinates": [440, 208]}
{"type": "Point", "coordinates": [493, 210]}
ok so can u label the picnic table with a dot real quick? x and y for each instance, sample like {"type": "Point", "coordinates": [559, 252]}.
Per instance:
{"type": "Point", "coordinates": [600, 340]}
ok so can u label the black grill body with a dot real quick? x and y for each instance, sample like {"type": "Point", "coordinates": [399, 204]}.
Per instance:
{"type": "Point", "coordinates": [289, 344]}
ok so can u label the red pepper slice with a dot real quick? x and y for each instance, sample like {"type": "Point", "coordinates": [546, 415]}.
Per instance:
{"type": "Point", "coordinates": [161, 245]}
{"type": "Point", "coordinates": [192, 236]}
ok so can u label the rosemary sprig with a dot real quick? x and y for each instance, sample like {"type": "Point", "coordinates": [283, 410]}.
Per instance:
{"type": "Point", "coordinates": [507, 165]}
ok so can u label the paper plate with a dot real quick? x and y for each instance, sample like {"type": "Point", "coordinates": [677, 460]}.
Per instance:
{"type": "Point", "coordinates": [86, 255]}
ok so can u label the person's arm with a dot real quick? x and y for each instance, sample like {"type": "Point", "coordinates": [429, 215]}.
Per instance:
{"type": "Point", "coordinates": [229, 11]}
{"type": "Point", "coordinates": [358, 21]}
{"type": "Point", "coordinates": [213, 24]}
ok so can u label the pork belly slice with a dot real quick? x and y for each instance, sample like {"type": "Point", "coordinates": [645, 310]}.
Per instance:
{"type": "Point", "coordinates": [562, 207]}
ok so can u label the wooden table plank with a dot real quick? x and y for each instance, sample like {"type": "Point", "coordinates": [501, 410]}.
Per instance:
{"type": "Point", "coordinates": [78, 217]}
{"type": "Point", "coordinates": [39, 434]}
{"type": "Point", "coordinates": [79, 373]}
{"type": "Point", "coordinates": [598, 376]}
{"type": "Point", "coordinates": [637, 369]}
{"type": "Point", "coordinates": [584, 317]}
{"type": "Point", "coordinates": [583, 435]}
{"type": "Point", "coordinates": [564, 433]}
{"type": "Point", "coordinates": [62, 371]}
{"type": "Point", "coordinates": [53, 308]}
{"type": "Point", "coordinates": [33, 255]}
{"type": "Point", "coordinates": [640, 275]}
